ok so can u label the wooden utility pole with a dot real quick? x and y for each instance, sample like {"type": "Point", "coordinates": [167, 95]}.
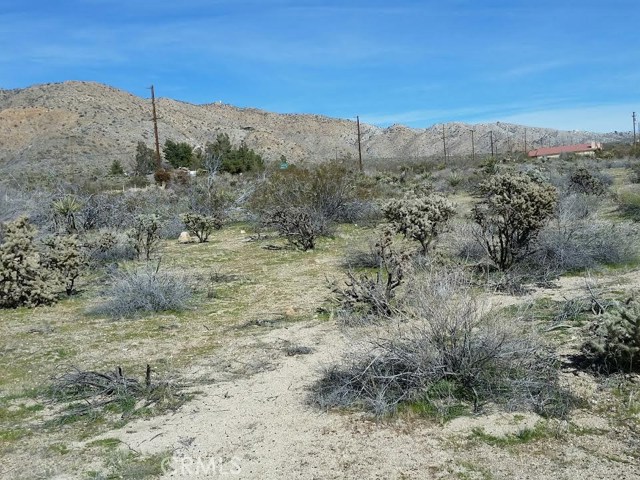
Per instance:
{"type": "Point", "coordinates": [444, 143]}
{"type": "Point", "coordinates": [491, 137]}
{"type": "Point", "coordinates": [359, 145]}
{"type": "Point", "coordinates": [525, 142]}
{"type": "Point", "coordinates": [473, 147]}
{"type": "Point", "coordinates": [155, 129]}
{"type": "Point", "coordinates": [633, 115]}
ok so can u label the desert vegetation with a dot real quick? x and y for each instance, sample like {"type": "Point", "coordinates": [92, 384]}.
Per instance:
{"type": "Point", "coordinates": [432, 292]}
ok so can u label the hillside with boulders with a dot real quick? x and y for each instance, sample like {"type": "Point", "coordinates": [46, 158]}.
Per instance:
{"type": "Point", "coordinates": [81, 127]}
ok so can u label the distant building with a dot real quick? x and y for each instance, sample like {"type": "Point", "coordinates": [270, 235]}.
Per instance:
{"type": "Point", "coordinates": [586, 149]}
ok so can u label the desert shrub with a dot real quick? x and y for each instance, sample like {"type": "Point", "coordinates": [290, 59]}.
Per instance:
{"type": "Point", "coordinates": [420, 218]}
{"type": "Point", "coordinates": [303, 204]}
{"type": "Point", "coordinates": [584, 243]}
{"type": "Point", "coordinates": [583, 181]}
{"type": "Point", "coordinates": [162, 176]}
{"type": "Point", "coordinates": [511, 213]}
{"type": "Point", "coordinates": [200, 226]}
{"type": "Point", "coordinates": [299, 226]}
{"type": "Point", "coordinates": [145, 235]}
{"type": "Point", "coordinates": [210, 198]}
{"type": "Point", "coordinates": [146, 289]}
{"type": "Point", "coordinates": [615, 338]}
{"type": "Point", "coordinates": [445, 338]}
{"type": "Point", "coordinates": [366, 297]}
{"type": "Point", "coordinates": [65, 212]}
{"type": "Point", "coordinates": [64, 256]}
{"type": "Point", "coordinates": [23, 279]}
{"type": "Point", "coordinates": [109, 246]}
{"type": "Point", "coordinates": [629, 203]}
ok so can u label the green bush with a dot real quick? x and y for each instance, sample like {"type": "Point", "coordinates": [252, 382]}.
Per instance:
{"type": "Point", "coordinates": [422, 218]}
{"type": "Point", "coordinates": [24, 281]}
{"type": "Point", "coordinates": [615, 342]}
{"type": "Point", "coordinates": [510, 215]}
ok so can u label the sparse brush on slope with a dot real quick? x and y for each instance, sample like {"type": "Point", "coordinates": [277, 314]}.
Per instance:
{"type": "Point", "coordinates": [445, 337]}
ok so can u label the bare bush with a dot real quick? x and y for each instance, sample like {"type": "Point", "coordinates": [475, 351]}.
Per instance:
{"type": "Point", "coordinates": [299, 226]}
{"type": "Point", "coordinates": [365, 297]}
{"type": "Point", "coordinates": [445, 337]}
{"type": "Point", "coordinates": [147, 289]}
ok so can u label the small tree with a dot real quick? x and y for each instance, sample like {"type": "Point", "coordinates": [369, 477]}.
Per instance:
{"type": "Point", "coordinates": [233, 160]}
{"type": "Point", "coordinates": [145, 235]}
{"type": "Point", "coordinates": [510, 215]}
{"type": "Point", "coordinates": [116, 168]}
{"type": "Point", "coordinates": [64, 257]}
{"type": "Point", "coordinates": [421, 219]}
{"type": "Point", "coordinates": [200, 225]}
{"type": "Point", "coordinates": [23, 279]}
{"type": "Point", "coordinates": [145, 162]}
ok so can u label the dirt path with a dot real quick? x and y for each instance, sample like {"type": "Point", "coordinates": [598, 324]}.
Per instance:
{"type": "Point", "coordinates": [260, 427]}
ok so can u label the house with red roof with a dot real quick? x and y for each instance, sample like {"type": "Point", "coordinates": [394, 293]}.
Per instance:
{"type": "Point", "coordinates": [586, 149]}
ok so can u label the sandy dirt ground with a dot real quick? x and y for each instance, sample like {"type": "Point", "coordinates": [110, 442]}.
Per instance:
{"type": "Point", "coordinates": [260, 426]}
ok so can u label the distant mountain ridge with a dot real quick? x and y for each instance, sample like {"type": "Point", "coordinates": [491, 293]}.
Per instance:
{"type": "Point", "coordinates": [83, 126]}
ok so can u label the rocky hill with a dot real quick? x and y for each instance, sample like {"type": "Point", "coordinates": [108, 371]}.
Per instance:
{"type": "Point", "coordinates": [81, 127]}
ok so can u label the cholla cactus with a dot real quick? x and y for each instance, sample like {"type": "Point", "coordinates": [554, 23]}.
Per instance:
{"type": "Point", "coordinates": [200, 225]}
{"type": "Point", "coordinates": [514, 209]}
{"type": "Point", "coordinates": [23, 280]}
{"type": "Point", "coordinates": [65, 258]}
{"type": "Point", "coordinates": [421, 218]}
{"type": "Point", "coordinates": [583, 181]}
{"type": "Point", "coordinates": [616, 340]}
{"type": "Point", "coordinates": [145, 235]}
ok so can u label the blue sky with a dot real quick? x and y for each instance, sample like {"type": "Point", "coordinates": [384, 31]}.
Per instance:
{"type": "Point", "coordinates": [565, 64]}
